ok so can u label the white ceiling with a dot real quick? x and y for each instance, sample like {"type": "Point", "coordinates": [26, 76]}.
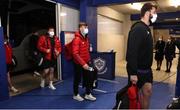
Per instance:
{"type": "Point", "coordinates": [163, 6]}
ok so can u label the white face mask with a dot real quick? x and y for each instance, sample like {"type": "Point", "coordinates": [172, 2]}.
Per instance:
{"type": "Point", "coordinates": [154, 18]}
{"type": "Point", "coordinates": [85, 31]}
{"type": "Point", "coordinates": [51, 34]}
{"type": "Point", "coordinates": [160, 39]}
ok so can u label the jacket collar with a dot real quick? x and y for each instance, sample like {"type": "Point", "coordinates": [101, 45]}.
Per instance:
{"type": "Point", "coordinates": [81, 36]}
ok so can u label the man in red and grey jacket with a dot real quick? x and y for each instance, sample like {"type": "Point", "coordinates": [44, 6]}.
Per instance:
{"type": "Point", "coordinates": [81, 57]}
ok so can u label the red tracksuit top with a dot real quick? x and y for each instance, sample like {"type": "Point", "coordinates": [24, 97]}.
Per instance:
{"type": "Point", "coordinates": [134, 99]}
{"type": "Point", "coordinates": [8, 51]}
{"type": "Point", "coordinates": [80, 49]}
{"type": "Point", "coordinates": [44, 43]}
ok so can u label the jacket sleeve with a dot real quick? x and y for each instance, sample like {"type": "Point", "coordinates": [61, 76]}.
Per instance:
{"type": "Point", "coordinates": [30, 43]}
{"type": "Point", "coordinates": [166, 48]}
{"type": "Point", "coordinates": [156, 46]}
{"type": "Point", "coordinates": [174, 48]}
{"type": "Point", "coordinates": [57, 45]}
{"type": "Point", "coordinates": [135, 40]}
{"type": "Point", "coordinates": [75, 51]}
{"type": "Point", "coordinates": [40, 44]}
{"type": "Point", "coordinates": [177, 43]}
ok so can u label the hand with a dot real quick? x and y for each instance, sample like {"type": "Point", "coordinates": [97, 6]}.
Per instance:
{"type": "Point", "coordinates": [86, 67]}
{"type": "Point", "coordinates": [134, 79]}
{"type": "Point", "coordinates": [35, 53]}
{"type": "Point", "coordinates": [56, 52]}
{"type": "Point", "coordinates": [48, 51]}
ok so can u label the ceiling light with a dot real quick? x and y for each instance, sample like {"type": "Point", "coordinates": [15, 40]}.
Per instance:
{"type": "Point", "coordinates": [63, 14]}
{"type": "Point", "coordinates": [175, 3]}
{"type": "Point", "coordinates": [51, 1]}
{"type": "Point", "coordinates": [136, 6]}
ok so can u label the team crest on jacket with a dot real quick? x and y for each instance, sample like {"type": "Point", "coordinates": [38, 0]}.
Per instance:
{"type": "Point", "coordinates": [100, 65]}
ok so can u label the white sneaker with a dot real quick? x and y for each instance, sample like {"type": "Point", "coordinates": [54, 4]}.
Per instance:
{"type": "Point", "coordinates": [42, 83]}
{"type": "Point", "coordinates": [13, 89]}
{"type": "Point", "coordinates": [78, 98]}
{"type": "Point", "coordinates": [51, 86]}
{"type": "Point", "coordinates": [90, 97]}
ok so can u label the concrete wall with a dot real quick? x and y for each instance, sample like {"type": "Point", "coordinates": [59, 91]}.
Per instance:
{"type": "Point", "coordinates": [70, 21]}
{"type": "Point", "coordinates": [126, 28]}
{"type": "Point", "coordinates": [108, 12]}
{"type": "Point", "coordinates": [161, 32]}
{"type": "Point", "coordinates": [110, 38]}
{"type": "Point", "coordinates": [117, 39]}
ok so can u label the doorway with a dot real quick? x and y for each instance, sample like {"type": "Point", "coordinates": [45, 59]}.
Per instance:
{"type": "Point", "coordinates": [19, 18]}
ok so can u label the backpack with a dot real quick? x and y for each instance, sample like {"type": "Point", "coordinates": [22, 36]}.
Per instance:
{"type": "Point", "coordinates": [90, 79]}
{"type": "Point", "coordinates": [175, 104]}
{"type": "Point", "coordinates": [68, 51]}
{"type": "Point", "coordinates": [39, 58]}
{"type": "Point", "coordinates": [122, 99]}
{"type": "Point", "coordinates": [127, 98]}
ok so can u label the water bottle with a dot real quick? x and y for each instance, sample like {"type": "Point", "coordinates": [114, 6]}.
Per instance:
{"type": "Point", "coordinates": [90, 69]}
{"type": "Point", "coordinates": [91, 48]}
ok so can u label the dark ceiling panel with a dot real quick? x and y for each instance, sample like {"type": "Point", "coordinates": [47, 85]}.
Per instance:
{"type": "Point", "coordinates": [17, 4]}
